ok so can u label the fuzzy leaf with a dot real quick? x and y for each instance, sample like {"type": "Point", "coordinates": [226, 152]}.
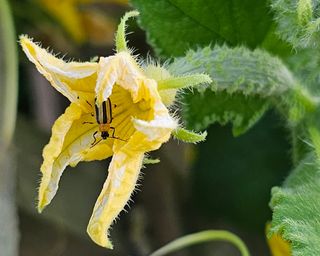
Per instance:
{"type": "Point", "coordinates": [244, 81]}
{"type": "Point", "coordinates": [173, 26]}
{"type": "Point", "coordinates": [297, 21]}
{"type": "Point", "coordinates": [305, 65]}
{"type": "Point", "coordinates": [189, 136]}
{"type": "Point", "coordinates": [203, 109]}
{"type": "Point", "coordinates": [296, 208]}
{"type": "Point", "coordinates": [237, 70]}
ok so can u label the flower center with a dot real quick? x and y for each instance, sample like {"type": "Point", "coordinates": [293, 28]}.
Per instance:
{"type": "Point", "coordinates": [124, 109]}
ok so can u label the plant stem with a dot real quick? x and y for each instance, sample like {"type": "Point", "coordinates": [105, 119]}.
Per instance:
{"type": "Point", "coordinates": [9, 234]}
{"type": "Point", "coordinates": [201, 237]}
{"type": "Point", "coordinates": [9, 77]}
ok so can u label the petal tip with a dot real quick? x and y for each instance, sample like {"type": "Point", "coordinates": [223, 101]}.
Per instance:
{"type": "Point", "coordinates": [24, 40]}
{"type": "Point", "coordinates": [40, 207]}
{"type": "Point", "coordinates": [42, 203]}
{"type": "Point", "coordinates": [99, 237]}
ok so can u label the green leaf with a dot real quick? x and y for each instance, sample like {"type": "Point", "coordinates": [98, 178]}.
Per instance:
{"type": "Point", "coordinates": [237, 70]}
{"type": "Point", "coordinates": [245, 81]}
{"type": "Point", "coordinates": [189, 136]}
{"type": "Point", "coordinates": [173, 26]}
{"type": "Point", "coordinates": [304, 63]}
{"type": "Point", "coordinates": [204, 109]}
{"type": "Point", "coordinates": [297, 21]}
{"type": "Point", "coordinates": [296, 208]}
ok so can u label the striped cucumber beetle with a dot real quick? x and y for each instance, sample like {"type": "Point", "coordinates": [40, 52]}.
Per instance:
{"type": "Point", "coordinates": [103, 116]}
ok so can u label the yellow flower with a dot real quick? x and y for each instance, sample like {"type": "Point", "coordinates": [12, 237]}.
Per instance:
{"type": "Point", "coordinates": [116, 110]}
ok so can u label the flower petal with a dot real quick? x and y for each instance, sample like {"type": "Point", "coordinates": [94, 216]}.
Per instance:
{"type": "Point", "coordinates": [118, 69]}
{"type": "Point", "coordinates": [123, 174]}
{"type": "Point", "coordinates": [70, 143]}
{"type": "Point", "coordinates": [72, 79]}
{"type": "Point", "coordinates": [158, 129]}
{"type": "Point", "coordinates": [108, 74]}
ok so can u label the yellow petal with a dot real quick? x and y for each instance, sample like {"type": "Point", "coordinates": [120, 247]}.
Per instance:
{"type": "Point", "coordinates": [119, 69]}
{"type": "Point", "coordinates": [100, 151]}
{"type": "Point", "coordinates": [72, 79]}
{"type": "Point", "coordinates": [70, 143]}
{"type": "Point", "coordinates": [108, 74]}
{"type": "Point", "coordinates": [124, 171]}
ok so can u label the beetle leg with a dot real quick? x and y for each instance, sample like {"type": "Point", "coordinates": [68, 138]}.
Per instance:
{"type": "Point", "coordinates": [113, 131]}
{"type": "Point", "coordinates": [114, 137]}
{"type": "Point", "coordinates": [94, 137]}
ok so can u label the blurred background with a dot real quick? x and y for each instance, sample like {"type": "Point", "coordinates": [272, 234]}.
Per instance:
{"type": "Point", "coordinates": [223, 183]}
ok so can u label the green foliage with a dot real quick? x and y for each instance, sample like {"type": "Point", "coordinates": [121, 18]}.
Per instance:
{"type": "Point", "coordinates": [296, 208]}
{"type": "Point", "coordinates": [297, 22]}
{"type": "Point", "coordinates": [237, 70]}
{"type": "Point", "coordinates": [244, 82]}
{"type": "Point", "coordinates": [252, 76]}
{"type": "Point", "coordinates": [206, 108]}
{"type": "Point", "coordinates": [305, 65]}
{"type": "Point", "coordinates": [189, 136]}
{"type": "Point", "coordinates": [176, 25]}
{"type": "Point", "coordinates": [220, 38]}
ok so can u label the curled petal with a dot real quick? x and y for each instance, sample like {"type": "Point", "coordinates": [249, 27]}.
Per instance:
{"type": "Point", "coordinates": [119, 69]}
{"type": "Point", "coordinates": [124, 171]}
{"type": "Point", "coordinates": [108, 74]}
{"type": "Point", "coordinates": [71, 79]}
{"type": "Point", "coordinates": [70, 143]}
{"type": "Point", "coordinates": [158, 129]}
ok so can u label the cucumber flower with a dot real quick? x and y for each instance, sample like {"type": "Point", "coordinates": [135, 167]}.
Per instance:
{"type": "Point", "coordinates": [118, 108]}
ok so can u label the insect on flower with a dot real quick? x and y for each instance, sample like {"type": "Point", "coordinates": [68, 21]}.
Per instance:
{"type": "Point", "coordinates": [121, 101]}
{"type": "Point", "coordinates": [103, 116]}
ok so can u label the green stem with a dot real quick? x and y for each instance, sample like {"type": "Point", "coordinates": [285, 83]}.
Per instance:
{"type": "Point", "coordinates": [9, 77]}
{"type": "Point", "coordinates": [121, 43]}
{"type": "Point", "coordinates": [200, 237]}
{"type": "Point", "coordinates": [183, 81]}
